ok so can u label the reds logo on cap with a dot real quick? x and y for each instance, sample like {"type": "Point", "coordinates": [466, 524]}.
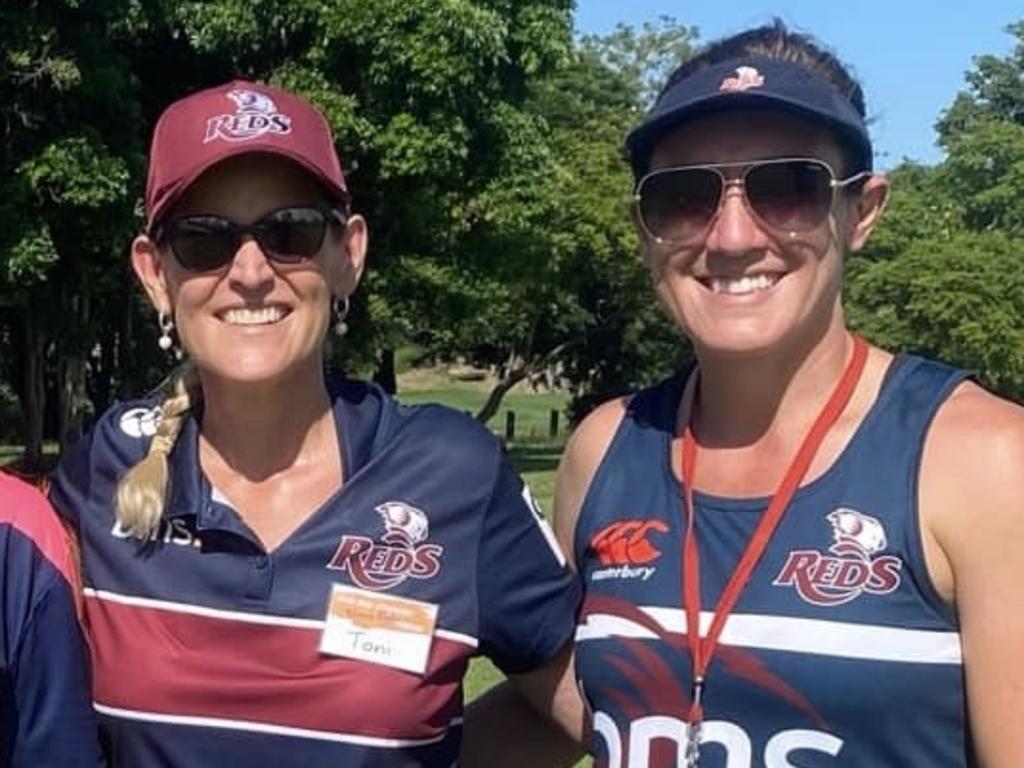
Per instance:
{"type": "Point", "coordinates": [401, 553]}
{"type": "Point", "coordinates": [855, 565]}
{"type": "Point", "coordinates": [744, 79]}
{"type": "Point", "coordinates": [255, 115]}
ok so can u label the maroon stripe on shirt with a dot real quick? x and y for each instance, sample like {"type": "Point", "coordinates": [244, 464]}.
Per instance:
{"type": "Point", "coordinates": [166, 662]}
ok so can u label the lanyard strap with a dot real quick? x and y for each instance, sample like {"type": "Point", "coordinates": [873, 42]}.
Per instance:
{"type": "Point", "coordinates": [701, 650]}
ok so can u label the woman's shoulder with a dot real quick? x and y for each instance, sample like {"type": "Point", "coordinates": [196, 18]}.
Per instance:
{"type": "Point", "coordinates": [128, 424]}
{"type": "Point", "coordinates": [119, 438]}
{"type": "Point", "coordinates": [429, 424]}
{"type": "Point", "coordinates": [593, 435]}
{"type": "Point", "coordinates": [25, 511]}
{"type": "Point", "coordinates": [441, 425]}
{"type": "Point", "coordinates": [19, 501]}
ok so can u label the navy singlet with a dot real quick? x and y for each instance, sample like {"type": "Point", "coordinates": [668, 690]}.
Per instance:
{"type": "Point", "coordinates": [839, 652]}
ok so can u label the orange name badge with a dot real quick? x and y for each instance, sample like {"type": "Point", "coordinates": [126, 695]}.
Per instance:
{"type": "Point", "coordinates": [381, 629]}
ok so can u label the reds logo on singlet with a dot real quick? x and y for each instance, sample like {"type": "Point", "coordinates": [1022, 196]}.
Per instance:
{"type": "Point", "coordinates": [853, 567]}
{"type": "Point", "coordinates": [401, 553]}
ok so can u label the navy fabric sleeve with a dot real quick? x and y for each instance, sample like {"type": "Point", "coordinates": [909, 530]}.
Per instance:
{"type": "Point", "coordinates": [46, 716]}
{"type": "Point", "coordinates": [69, 486]}
{"type": "Point", "coordinates": [54, 723]}
{"type": "Point", "coordinates": [527, 595]}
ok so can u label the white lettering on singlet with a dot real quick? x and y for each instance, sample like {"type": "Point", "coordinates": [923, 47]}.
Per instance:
{"type": "Point", "coordinates": [739, 751]}
{"type": "Point", "coordinates": [776, 752]}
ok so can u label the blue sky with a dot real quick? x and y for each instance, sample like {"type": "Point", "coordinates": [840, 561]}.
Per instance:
{"type": "Point", "coordinates": [909, 55]}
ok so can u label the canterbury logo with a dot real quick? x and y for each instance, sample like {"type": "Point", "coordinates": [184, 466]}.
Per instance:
{"type": "Point", "coordinates": [626, 542]}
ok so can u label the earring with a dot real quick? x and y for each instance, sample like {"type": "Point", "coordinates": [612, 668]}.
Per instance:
{"type": "Point", "coordinates": [340, 313]}
{"type": "Point", "coordinates": [165, 342]}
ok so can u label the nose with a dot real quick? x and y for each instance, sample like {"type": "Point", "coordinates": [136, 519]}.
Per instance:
{"type": "Point", "coordinates": [251, 270]}
{"type": "Point", "coordinates": [734, 229]}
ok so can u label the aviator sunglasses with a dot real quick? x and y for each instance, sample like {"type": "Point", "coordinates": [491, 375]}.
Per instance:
{"type": "Point", "coordinates": [205, 242]}
{"type": "Point", "coordinates": [676, 206]}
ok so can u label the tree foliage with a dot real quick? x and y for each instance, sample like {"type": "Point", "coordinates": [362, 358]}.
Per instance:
{"type": "Point", "coordinates": [483, 142]}
{"type": "Point", "coordinates": [942, 276]}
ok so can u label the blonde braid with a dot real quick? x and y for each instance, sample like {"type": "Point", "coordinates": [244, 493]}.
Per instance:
{"type": "Point", "coordinates": [142, 491]}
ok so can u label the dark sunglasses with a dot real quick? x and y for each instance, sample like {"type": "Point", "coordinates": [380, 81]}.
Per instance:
{"type": "Point", "coordinates": [678, 205]}
{"type": "Point", "coordinates": [205, 242]}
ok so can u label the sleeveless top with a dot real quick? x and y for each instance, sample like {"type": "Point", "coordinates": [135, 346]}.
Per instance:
{"type": "Point", "coordinates": [839, 652]}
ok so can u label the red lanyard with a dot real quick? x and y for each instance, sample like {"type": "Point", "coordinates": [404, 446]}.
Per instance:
{"type": "Point", "coordinates": [702, 649]}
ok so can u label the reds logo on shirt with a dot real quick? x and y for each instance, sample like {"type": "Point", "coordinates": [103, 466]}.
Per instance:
{"type": "Point", "coordinates": [853, 567]}
{"type": "Point", "coordinates": [401, 553]}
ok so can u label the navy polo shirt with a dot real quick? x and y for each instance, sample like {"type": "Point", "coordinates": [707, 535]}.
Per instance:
{"type": "Point", "coordinates": [206, 646]}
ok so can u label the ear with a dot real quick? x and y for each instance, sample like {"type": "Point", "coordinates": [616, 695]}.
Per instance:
{"type": "Point", "coordinates": [865, 210]}
{"type": "Point", "coordinates": [150, 270]}
{"type": "Point", "coordinates": [353, 252]}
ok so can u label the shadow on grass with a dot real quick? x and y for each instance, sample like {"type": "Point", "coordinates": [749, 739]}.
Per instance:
{"type": "Point", "coordinates": [536, 458]}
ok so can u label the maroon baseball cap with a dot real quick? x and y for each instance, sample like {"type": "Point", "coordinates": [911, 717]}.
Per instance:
{"type": "Point", "coordinates": [200, 130]}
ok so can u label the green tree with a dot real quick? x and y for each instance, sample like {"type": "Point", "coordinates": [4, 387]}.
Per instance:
{"type": "Point", "coordinates": [549, 280]}
{"type": "Point", "coordinates": [941, 277]}
{"type": "Point", "coordinates": [429, 101]}
{"type": "Point", "coordinates": [68, 153]}
{"type": "Point", "coordinates": [960, 300]}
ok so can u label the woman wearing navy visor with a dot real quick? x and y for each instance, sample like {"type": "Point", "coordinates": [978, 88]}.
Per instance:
{"type": "Point", "coordinates": [843, 525]}
{"type": "Point", "coordinates": [284, 567]}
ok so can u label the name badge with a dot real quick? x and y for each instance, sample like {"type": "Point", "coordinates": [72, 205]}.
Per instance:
{"type": "Point", "coordinates": [381, 629]}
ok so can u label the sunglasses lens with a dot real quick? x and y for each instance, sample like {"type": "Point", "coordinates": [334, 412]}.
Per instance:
{"type": "Point", "coordinates": [677, 204]}
{"type": "Point", "coordinates": [291, 234]}
{"type": "Point", "coordinates": [794, 195]}
{"type": "Point", "coordinates": [202, 243]}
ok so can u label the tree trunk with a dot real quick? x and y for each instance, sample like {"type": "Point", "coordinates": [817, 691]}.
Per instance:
{"type": "Point", "coordinates": [385, 374]}
{"type": "Point", "coordinates": [486, 413]}
{"type": "Point", "coordinates": [33, 394]}
{"type": "Point", "coordinates": [72, 400]}
{"type": "Point", "coordinates": [129, 384]}
{"type": "Point", "coordinates": [100, 382]}
{"type": "Point", "coordinates": [515, 372]}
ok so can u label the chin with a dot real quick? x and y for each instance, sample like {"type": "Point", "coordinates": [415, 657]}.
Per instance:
{"type": "Point", "coordinates": [738, 340]}
{"type": "Point", "coordinates": [248, 369]}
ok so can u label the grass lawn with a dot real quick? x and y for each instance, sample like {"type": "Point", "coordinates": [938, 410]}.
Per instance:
{"type": "Point", "coordinates": [9, 453]}
{"type": "Point", "coordinates": [532, 409]}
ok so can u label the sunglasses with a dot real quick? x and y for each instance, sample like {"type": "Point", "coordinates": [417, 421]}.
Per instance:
{"type": "Point", "coordinates": [206, 242]}
{"type": "Point", "coordinates": [678, 205]}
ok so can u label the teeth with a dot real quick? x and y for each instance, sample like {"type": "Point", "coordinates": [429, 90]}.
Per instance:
{"type": "Point", "coordinates": [262, 316]}
{"type": "Point", "coordinates": [746, 284]}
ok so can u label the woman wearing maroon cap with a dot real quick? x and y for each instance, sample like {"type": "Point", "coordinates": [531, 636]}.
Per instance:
{"type": "Point", "coordinates": [283, 566]}
{"type": "Point", "coordinates": [801, 549]}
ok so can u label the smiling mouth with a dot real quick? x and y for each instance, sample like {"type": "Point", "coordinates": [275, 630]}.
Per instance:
{"type": "Point", "coordinates": [260, 316]}
{"type": "Point", "coordinates": [741, 286]}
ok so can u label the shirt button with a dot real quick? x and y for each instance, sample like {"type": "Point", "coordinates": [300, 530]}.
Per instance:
{"type": "Point", "coordinates": [262, 563]}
